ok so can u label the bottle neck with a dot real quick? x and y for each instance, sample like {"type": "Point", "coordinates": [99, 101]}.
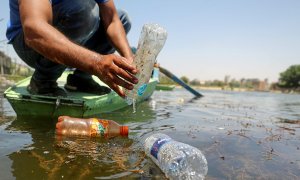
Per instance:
{"type": "Point", "coordinates": [124, 131]}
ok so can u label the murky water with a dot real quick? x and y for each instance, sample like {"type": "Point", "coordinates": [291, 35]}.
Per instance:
{"type": "Point", "coordinates": [243, 136]}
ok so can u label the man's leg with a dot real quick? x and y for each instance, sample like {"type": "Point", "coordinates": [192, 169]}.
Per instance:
{"type": "Point", "coordinates": [78, 20]}
{"type": "Point", "coordinates": [100, 43]}
{"type": "Point", "coordinates": [46, 72]}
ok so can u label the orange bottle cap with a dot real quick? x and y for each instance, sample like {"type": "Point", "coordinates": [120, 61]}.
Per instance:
{"type": "Point", "coordinates": [61, 118]}
{"type": "Point", "coordinates": [124, 130]}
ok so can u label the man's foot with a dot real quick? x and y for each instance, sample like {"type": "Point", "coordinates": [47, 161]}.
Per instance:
{"type": "Point", "coordinates": [45, 88]}
{"type": "Point", "coordinates": [88, 85]}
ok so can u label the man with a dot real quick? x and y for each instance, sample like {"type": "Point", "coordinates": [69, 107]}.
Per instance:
{"type": "Point", "coordinates": [50, 35]}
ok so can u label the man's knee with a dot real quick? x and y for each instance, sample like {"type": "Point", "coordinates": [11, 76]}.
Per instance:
{"type": "Point", "coordinates": [78, 19]}
{"type": "Point", "coordinates": [125, 20]}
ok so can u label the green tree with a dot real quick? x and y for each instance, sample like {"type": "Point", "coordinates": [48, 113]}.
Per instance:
{"type": "Point", "coordinates": [185, 79]}
{"type": "Point", "coordinates": [165, 80]}
{"type": "Point", "coordinates": [291, 77]}
{"type": "Point", "coordinates": [217, 83]}
{"type": "Point", "coordinates": [234, 84]}
{"type": "Point", "coordinates": [195, 82]}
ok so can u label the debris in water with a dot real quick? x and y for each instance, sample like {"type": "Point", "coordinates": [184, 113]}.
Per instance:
{"type": "Point", "coordinates": [290, 121]}
{"type": "Point", "coordinates": [46, 152]}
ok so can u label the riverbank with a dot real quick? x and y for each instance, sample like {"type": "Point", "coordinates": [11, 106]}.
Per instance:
{"type": "Point", "coordinates": [240, 89]}
{"type": "Point", "coordinates": [5, 82]}
{"type": "Point", "coordinates": [9, 80]}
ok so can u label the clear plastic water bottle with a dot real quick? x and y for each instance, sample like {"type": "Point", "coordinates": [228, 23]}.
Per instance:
{"type": "Point", "coordinates": [177, 160]}
{"type": "Point", "coordinates": [93, 127]}
{"type": "Point", "coordinates": [152, 40]}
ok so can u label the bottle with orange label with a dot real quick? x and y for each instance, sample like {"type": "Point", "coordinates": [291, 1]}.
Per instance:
{"type": "Point", "coordinates": [93, 127]}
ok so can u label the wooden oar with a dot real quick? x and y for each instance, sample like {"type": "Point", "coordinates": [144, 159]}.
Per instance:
{"type": "Point", "coordinates": [178, 81]}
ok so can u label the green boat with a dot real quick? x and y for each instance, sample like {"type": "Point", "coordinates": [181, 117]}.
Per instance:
{"type": "Point", "coordinates": [77, 104]}
{"type": "Point", "coordinates": [163, 87]}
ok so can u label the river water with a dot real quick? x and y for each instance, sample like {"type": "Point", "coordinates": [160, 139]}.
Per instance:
{"type": "Point", "coordinates": [244, 135]}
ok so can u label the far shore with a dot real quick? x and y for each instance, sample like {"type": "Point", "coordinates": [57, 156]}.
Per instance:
{"type": "Point", "coordinates": [216, 88]}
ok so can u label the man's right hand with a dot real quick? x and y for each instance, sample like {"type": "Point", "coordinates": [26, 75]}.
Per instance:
{"type": "Point", "coordinates": [115, 71]}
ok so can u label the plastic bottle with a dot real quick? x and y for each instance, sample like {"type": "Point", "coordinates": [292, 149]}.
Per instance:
{"type": "Point", "coordinates": [177, 160]}
{"type": "Point", "coordinates": [152, 40]}
{"type": "Point", "coordinates": [92, 127]}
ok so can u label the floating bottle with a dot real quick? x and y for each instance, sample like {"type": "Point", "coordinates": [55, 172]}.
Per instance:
{"type": "Point", "coordinates": [152, 40]}
{"type": "Point", "coordinates": [93, 127]}
{"type": "Point", "coordinates": [177, 160]}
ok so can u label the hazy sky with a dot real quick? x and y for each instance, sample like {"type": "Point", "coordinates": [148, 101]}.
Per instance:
{"type": "Point", "coordinates": [208, 39]}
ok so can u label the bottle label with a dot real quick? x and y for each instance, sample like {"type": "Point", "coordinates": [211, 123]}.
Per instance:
{"type": "Point", "coordinates": [157, 145]}
{"type": "Point", "coordinates": [142, 89]}
{"type": "Point", "coordinates": [98, 127]}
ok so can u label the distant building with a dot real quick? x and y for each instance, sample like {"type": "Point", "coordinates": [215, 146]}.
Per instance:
{"type": "Point", "coordinates": [5, 64]}
{"type": "Point", "coordinates": [259, 85]}
{"type": "Point", "coordinates": [21, 70]}
{"type": "Point", "coordinates": [226, 79]}
{"type": "Point", "coordinates": [263, 86]}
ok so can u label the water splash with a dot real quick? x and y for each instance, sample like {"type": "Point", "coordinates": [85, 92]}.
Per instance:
{"type": "Point", "coordinates": [133, 106]}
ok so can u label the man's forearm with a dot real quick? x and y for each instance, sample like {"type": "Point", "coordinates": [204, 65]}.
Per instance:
{"type": "Point", "coordinates": [52, 44]}
{"type": "Point", "coordinates": [117, 35]}
{"type": "Point", "coordinates": [114, 29]}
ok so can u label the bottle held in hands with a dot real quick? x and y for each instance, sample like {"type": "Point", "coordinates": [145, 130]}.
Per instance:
{"type": "Point", "coordinates": [151, 42]}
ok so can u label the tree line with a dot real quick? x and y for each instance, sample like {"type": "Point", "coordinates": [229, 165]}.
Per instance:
{"type": "Point", "coordinates": [289, 79]}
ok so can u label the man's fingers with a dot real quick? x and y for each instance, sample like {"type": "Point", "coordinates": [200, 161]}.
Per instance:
{"type": "Point", "coordinates": [116, 71]}
{"type": "Point", "coordinates": [125, 75]}
{"type": "Point", "coordinates": [113, 81]}
{"type": "Point", "coordinates": [122, 83]}
{"type": "Point", "coordinates": [121, 62]}
{"type": "Point", "coordinates": [116, 88]}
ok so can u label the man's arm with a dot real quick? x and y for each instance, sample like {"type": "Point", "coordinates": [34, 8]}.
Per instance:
{"type": "Point", "coordinates": [36, 17]}
{"type": "Point", "coordinates": [115, 29]}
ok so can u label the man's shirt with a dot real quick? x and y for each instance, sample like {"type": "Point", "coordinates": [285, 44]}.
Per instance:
{"type": "Point", "coordinates": [14, 26]}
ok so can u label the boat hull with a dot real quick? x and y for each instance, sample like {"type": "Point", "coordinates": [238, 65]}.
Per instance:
{"type": "Point", "coordinates": [76, 104]}
{"type": "Point", "coordinates": [161, 87]}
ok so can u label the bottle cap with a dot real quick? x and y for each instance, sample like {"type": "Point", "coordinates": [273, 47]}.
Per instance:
{"type": "Point", "coordinates": [61, 118]}
{"type": "Point", "coordinates": [124, 130]}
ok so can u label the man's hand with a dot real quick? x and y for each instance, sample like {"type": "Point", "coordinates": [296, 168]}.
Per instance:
{"type": "Point", "coordinates": [116, 71]}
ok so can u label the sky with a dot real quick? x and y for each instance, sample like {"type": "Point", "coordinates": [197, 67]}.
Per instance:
{"type": "Point", "coordinates": [208, 39]}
